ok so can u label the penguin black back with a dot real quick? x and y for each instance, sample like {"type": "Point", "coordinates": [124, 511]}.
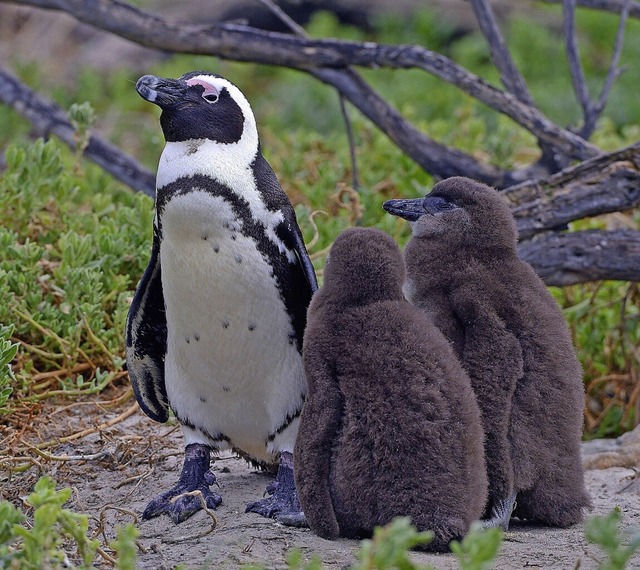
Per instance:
{"type": "Point", "coordinates": [390, 426]}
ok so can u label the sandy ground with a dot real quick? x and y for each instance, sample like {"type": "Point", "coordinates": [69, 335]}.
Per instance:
{"type": "Point", "coordinates": [135, 458]}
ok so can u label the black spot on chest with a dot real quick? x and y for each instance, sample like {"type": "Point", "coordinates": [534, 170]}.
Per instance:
{"type": "Point", "coordinates": [293, 288]}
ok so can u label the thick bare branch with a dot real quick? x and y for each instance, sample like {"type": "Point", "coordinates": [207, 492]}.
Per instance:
{"type": "Point", "coordinates": [545, 188]}
{"type": "Point", "coordinates": [434, 157]}
{"type": "Point", "coordinates": [616, 189]}
{"type": "Point", "coordinates": [608, 183]}
{"type": "Point", "coordinates": [592, 255]}
{"type": "Point", "coordinates": [49, 118]}
{"type": "Point", "coordinates": [246, 44]}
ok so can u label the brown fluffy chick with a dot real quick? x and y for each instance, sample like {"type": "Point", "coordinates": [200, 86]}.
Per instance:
{"type": "Point", "coordinates": [390, 425]}
{"type": "Point", "coordinates": [464, 271]}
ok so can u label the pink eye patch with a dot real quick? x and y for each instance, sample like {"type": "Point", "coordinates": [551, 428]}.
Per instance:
{"type": "Point", "coordinates": [208, 88]}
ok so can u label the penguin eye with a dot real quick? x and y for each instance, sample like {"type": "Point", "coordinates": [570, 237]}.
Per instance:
{"type": "Point", "coordinates": [209, 93]}
{"type": "Point", "coordinates": [437, 204]}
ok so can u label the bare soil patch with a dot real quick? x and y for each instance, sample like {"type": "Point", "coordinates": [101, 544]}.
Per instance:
{"type": "Point", "coordinates": [129, 461]}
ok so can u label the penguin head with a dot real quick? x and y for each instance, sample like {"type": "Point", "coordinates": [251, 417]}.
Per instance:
{"type": "Point", "coordinates": [200, 106]}
{"type": "Point", "coordinates": [364, 266]}
{"type": "Point", "coordinates": [461, 211]}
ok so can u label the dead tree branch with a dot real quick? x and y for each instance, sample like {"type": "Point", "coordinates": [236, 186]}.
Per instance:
{"type": "Point", "coordinates": [49, 118]}
{"type": "Point", "coordinates": [302, 33]}
{"type": "Point", "coordinates": [576, 257]}
{"type": "Point", "coordinates": [509, 74]}
{"type": "Point", "coordinates": [327, 59]}
{"type": "Point", "coordinates": [599, 184]}
{"type": "Point", "coordinates": [591, 109]}
{"type": "Point", "coordinates": [605, 184]}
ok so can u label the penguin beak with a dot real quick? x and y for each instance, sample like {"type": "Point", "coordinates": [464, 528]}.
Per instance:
{"type": "Point", "coordinates": [410, 210]}
{"type": "Point", "coordinates": [161, 91]}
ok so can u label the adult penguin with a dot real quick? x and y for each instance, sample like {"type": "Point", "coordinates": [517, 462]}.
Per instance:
{"type": "Point", "coordinates": [464, 271]}
{"type": "Point", "coordinates": [390, 426]}
{"type": "Point", "coordinates": [214, 333]}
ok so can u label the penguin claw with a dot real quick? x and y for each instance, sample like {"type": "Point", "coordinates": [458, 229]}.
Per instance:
{"type": "Point", "coordinates": [282, 504]}
{"type": "Point", "coordinates": [181, 502]}
{"type": "Point", "coordinates": [501, 513]}
{"type": "Point", "coordinates": [192, 490]}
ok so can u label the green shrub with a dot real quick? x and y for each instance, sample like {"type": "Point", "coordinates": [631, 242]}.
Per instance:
{"type": "Point", "coordinates": [479, 549]}
{"type": "Point", "coordinates": [72, 246]}
{"type": "Point", "coordinates": [73, 243]}
{"type": "Point", "coordinates": [8, 352]}
{"type": "Point", "coordinates": [619, 546]}
{"type": "Point", "coordinates": [390, 545]}
{"type": "Point", "coordinates": [43, 543]}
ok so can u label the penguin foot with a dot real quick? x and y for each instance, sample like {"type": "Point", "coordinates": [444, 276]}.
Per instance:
{"type": "Point", "coordinates": [501, 513]}
{"type": "Point", "coordinates": [282, 504]}
{"type": "Point", "coordinates": [182, 500]}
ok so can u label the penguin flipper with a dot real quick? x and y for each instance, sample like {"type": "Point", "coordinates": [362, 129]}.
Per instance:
{"type": "Point", "coordinates": [493, 358]}
{"type": "Point", "coordinates": [146, 338]}
{"type": "Point", "coordinates": [297, 245]}
{"type": "Point", "coordinates": [320, 423]}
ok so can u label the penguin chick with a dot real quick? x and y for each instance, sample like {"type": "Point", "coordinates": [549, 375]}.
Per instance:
{"type": "Point", "coordinates": [464, 271]}
{"type": "Point", "coordinates": [214, 332]}
{"type": "Point", "coordinates": [390, 426]}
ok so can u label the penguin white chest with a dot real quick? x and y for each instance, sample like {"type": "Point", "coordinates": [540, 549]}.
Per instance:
{"type": "Point", "coordinates": [232, 368]}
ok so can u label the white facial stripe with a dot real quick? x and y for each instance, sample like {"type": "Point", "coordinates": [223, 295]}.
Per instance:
{"type": "Point", "coordinates": [230, 164]}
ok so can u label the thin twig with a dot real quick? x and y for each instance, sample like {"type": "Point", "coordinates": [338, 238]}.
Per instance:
{"type": "Point", "coordinates": [613, 73]}
{"type": "Point", "coordinates": [110, 559]}
{"type": "Point", "coordinates": [25, 460]}
{"type": "Point", "coordinates": [614, 6]}
{"type": "Point", "coordinates": [48, 333]}
{"type": "Point", "coordinates": [58, 373]}
{"type": "Point", "coordinates": [97, 340]}
{"type": "Point", "coordinates": [575, 67]}
{"type": "Point", "coordinates": [203, 504]}
{"type": "Point", "coordinates": [284, 18]}
{"type": "Point", "coordinates": [509, 74]}
{"type": "Point", "coordinates": [352, 145]}
{"type": "Point", "coordinates": [301, 32]}
{"type": "Point", "coordinates": [109, 378]}
{"type": "Point", "coordinates": [316, 231]}
{"type": "Point", "coordinates": [135, 478]}
{"type": "Point", "coordinates": [591, 110]}
{"type": "Point", "coordinates": [102, 404]}
{"type": "Point", "coordinates": [51, 457]}
{"type": "Point", "coordinates": [110, 507]}
{"type": "Point", "coordinates": [85, 432]}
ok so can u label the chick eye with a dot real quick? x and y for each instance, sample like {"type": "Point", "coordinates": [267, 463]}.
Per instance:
{"type": "Point", "coordinates": [210, 97]}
